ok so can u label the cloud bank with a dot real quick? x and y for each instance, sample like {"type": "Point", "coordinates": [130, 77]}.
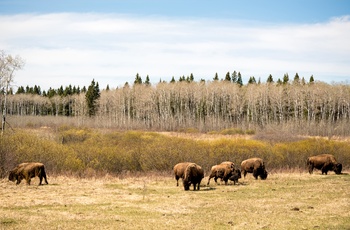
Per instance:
{"type": "Point", "coordinates": [73, 48]}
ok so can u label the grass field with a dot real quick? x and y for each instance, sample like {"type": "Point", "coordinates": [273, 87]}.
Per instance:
{"type": "Point", "coordinates": [283, 201]}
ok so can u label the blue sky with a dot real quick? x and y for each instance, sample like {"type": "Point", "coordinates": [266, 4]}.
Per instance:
{"type": "Point", "coordinates": [72, 42]}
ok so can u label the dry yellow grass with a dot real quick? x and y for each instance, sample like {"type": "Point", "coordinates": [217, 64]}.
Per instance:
{"type": "Point", "coordinates": [283, 201]}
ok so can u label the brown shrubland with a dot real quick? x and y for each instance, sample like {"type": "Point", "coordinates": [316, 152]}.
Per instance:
{"type": "Point", "coordinates": [92, 152]}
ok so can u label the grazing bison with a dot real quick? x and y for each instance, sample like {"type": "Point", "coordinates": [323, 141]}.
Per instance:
{"type": "Point", "coordinates": [325, 163]}
{"type": "Point", "coordinates": [193, 175]}
{"type": "Point", "coordinates": [27, 171]}
{"type": "Point", "coordinates": [255, 166]}
{"type": "Point", "coordinates": [179, 171]}
{"type": "Point", "coordinates": [223, 171]}
{"type": "Point", "coordinates": [236, 174]}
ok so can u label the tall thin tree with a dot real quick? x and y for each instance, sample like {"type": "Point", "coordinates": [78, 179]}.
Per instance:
{"type": "Point", "coordinates": [8, 65]}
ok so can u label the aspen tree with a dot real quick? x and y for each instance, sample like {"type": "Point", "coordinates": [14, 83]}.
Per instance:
{"type": "Point", "coordinates": [8, 65]}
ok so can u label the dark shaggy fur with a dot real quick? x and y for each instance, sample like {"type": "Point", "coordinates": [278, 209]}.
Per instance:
{"type": "Point", "coordinates": [325, 163]}
{"type": "Point", "coordinates": [193, 175]}
{"type": "Point", "coordinates": [179, 171]}
{"type": "Point", "coordinates": [27, 171]}
{"type": "Point", "coordinates": [236, 174]}
{"type": "Point", "coordinates": [255, 166]}
{"type": "Point", "coordinates": [223, 171]}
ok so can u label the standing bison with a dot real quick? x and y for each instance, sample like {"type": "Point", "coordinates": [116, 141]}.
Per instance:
{"type": "Point", "coordinates": [27, 171]}
{"type": "Point", "coordinates": [223, 171]}
{"type": "Point", "coordinates": [193, 175]}
{"type": "Point", "coordinates": [255, 166]}
{"type": "Point", "coordinates": [325, 163]}
{"type": "Point", "coordinates": [179, 171]}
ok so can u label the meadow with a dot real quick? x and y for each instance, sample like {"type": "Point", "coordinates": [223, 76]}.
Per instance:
{"type": "Point", "coordinates": [286, 200]}
{"type": "Point", "coordinates": [115, 179]}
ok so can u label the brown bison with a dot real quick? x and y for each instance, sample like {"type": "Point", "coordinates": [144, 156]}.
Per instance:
{"type": "Point", "coordinates": [223, 171]}
{"type": "Point", "coordinates": [27, 171]}
{"type": "Point", "coordinates": [255, 166]}
{"type": "Point", "coordinates": [179, 171]}
{"type": "Point", "coordinates": [193, 175]}
{"type": "Point", "coordinates": [236, 174]}
{"type": "Point", "coordinates": [325, 163]}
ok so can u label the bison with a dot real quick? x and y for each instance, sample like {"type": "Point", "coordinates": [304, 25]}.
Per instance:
{"type": "Point", "coordinates": [223, 171]}
{"type": "Point", "coordinates": [255, 166]}
{"type": "Point", "coordinates": [27, 171]}
{"type": "Point", "coordinates": [179, 171]}
{"type": "Point", "coordinates": [325, 163]}
{"type": "Point", "coordinates": [236, 174]}
{"type": "Point", "coordinates": [193, 175]}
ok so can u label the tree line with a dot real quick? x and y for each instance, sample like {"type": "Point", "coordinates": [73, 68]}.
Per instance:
{"type": "Point", "coordinates": [203, 105]}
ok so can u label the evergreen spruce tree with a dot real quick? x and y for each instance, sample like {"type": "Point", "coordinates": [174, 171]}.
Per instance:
{"type": "Point", "coordinates": [216, 78]}
{"type": "Point", "coordinates": [312, 79]}
{"type": "Point", "coordinates": [191, 77]}
{"type": "Point", "coordinates": [228, 77]}
{"type": "Point", "coordinates": [252, 80]}
{"type": "Point", "coordinates": [296, 79]}
{"type": "Point", "coordinates": [239, 79]}
{"type": "Point", "coordinates": [20, 90]}
{"type": "Point", "coordinates": [91, 96]}
{"type": "Point", "coordinates": [60, 91]}
{"type": "Point", "coordinates": [147, 82]}
{"type": "Point", "coordinates": [285, 78]}
{"type": "Point", "coordinates": [234, 77]}
{"type": "Point", "coordinates": [172, 80]}
{"type": "Point", "coordinates": [269, 79]}
{"type": "Point", "coordinates": [138, 79]}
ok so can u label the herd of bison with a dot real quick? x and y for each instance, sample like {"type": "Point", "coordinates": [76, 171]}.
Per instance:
{"type": "Point", "coordinates": [192, 173]}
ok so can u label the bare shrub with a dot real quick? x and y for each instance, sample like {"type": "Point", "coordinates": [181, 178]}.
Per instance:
{"type": "Point", "coordinates": [93, 153]}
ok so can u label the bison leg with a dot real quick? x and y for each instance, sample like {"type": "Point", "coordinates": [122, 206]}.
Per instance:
{"type": "Point", "coordinates": [225, 181]}
{"type": "Point", "coordinates": [244, 173]}
{"type": "Point", "coordinates": [177, 180]}
{"type": "Point", "coordinates": [208, 180]}
{"type": "Point", "coordinates": [45, 179]}
{"type": "Point", "coordinates": [311, 168]}
{"type": "Point", "coordinates": [216, 180]}
{"type": "Point", "coordinates": [256, 173]}
{"type": "Point", "coordinates": [40, 179]}
{"type": "Point", "coordinates": [42, 175]}
{"type": "Point", "coordinates": [324, 170]}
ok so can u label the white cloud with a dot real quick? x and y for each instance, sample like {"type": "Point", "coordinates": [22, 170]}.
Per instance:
{"type": "Point", "coordinates": [72, 48]}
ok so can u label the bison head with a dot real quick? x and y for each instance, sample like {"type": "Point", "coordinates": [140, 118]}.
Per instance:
{"type": "Point", "coordinates": [187, 185]}
{"type": "Point", "coordinates": [235, 176]}
{"type": "Point", "coordinates": [263, 174]}
{"type": "Point", "coordinates": [337, 168]}
{"type": "Point", "coordinates": [12, 176]}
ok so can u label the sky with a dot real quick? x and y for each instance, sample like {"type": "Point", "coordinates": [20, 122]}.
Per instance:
{"type": "Point", "coordinates": [73, 42]}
